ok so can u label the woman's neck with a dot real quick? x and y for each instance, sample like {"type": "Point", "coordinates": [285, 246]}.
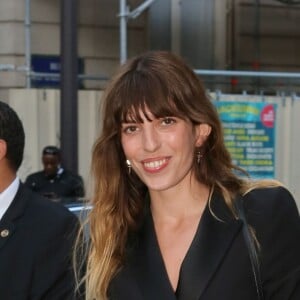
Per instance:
{"type": "Point", "coordinates": [179, 203]}
{"type": "Point", "coordinates": [5, 181]}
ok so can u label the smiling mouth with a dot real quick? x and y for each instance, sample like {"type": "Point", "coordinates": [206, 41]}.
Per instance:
{"type": "Point", "coordinates": [155, 165]}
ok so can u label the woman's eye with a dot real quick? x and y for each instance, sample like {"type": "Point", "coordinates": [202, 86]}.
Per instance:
{"type": "Point", "coordinates": [168, 121]}
{"type": "Point", "coordinates": [129, 129]}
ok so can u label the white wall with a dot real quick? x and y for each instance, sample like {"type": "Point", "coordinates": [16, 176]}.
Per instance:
{"type": "Point", "coordinates": [39, 111]}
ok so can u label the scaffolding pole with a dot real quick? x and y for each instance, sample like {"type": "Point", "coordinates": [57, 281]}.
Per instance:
{"type": "Point", "coordinates": [124, 15]}
{"type": "Point", "coordinates": [27, 24]}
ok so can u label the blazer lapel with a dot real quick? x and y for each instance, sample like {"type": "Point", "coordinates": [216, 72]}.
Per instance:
{"type": "Point", "coordinates": [211, 242]}
{"type": "Point", "coordinates": [148, 268]}
{"type": "Point", "coordinates": [8, 221]}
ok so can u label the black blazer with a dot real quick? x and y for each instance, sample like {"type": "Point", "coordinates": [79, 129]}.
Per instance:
{"type": "Point", "coordinates": [217, 264]}
{"type": "Point", "coordinates": [36, 240]}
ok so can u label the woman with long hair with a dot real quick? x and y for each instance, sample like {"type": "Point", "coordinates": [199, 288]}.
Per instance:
{"type": "Point", "coordinates": [166, 221]}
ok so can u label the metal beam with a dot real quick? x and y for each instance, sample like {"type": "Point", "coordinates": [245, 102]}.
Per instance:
{"type": "Point", "coordinates": [248, 73]}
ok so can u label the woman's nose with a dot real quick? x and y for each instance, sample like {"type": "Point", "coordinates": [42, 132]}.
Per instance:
{"type": "Point", "coordinates": [151, 139]}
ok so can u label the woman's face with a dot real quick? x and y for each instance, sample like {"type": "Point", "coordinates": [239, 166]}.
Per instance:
{"type": "Point", "coordinates": [162, 151]}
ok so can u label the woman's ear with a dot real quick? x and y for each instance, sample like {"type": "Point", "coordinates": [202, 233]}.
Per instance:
{"type": "Point", "coordinates": [202, 132]}
{"type": "Point", "coordinates": [3, 149]}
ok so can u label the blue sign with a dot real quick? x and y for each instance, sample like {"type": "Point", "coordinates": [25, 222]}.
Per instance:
{"type": "Point", "coordinates": [249, 133]}
{"type": "Point", "coordinates": [48, 64]}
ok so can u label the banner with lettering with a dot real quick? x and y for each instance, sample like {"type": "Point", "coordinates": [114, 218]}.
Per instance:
{"type": "Point", "coordinates": [249, 132]}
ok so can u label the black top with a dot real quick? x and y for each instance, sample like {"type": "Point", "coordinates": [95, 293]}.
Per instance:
{"type": "Point", "coordinates": [64, 187]}
{"type": "Point", "coordinates": [217, 264]}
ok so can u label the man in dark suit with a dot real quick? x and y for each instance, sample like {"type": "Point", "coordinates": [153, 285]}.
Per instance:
{"type": "Point", "coordinates": [36, 235]}
{"type": "Point", "coordinates": [55, 182]}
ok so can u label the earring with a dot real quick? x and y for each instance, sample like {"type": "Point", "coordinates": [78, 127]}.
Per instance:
{"type": "Point", "coordinates": [128, 165]}
{"type": "Point", "coordinates": [198, 156]}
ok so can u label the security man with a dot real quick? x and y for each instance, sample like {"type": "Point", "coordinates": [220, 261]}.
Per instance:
{"type": "Point", "coordinates": [54, 182]}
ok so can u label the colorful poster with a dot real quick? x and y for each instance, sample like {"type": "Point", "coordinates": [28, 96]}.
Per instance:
{"type": "Point", "coordinates": [249, 133]}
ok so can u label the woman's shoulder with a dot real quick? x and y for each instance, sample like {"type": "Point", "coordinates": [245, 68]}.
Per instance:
{"type": "Point", "coordinates": [272, 209]}
{"type": "Point", "coordinates": [273, 215]}
{"type": "Point", "coordinates": [270, 199]}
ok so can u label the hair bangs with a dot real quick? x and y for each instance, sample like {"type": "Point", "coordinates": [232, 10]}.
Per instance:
{"type": "Point", "coordinates": [141, 94]}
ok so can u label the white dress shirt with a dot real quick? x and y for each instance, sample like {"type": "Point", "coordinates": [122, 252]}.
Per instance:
{"type": "Point", "coordinates": [7, 196]}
